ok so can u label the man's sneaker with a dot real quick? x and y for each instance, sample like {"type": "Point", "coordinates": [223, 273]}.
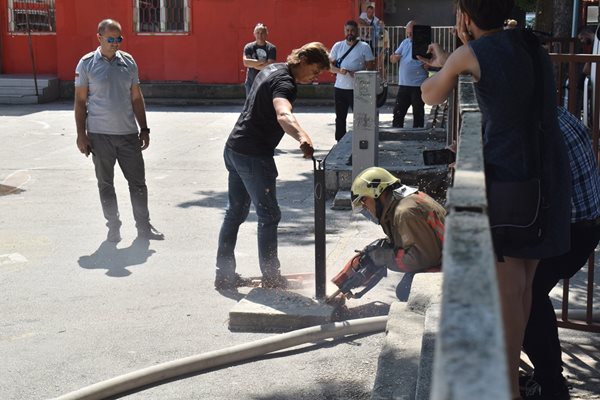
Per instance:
{"type": "Point", "coordinates": [114, 235]}
{"type": "Point", "coordinates": [232, 283]}
{"type": "Point", "coordinates": [275, 282]}
{"type": "Point", "coordinates": [150, 233]}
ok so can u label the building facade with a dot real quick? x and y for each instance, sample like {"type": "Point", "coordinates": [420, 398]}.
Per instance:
{"type": "Point", "coordinates": [172, 40]}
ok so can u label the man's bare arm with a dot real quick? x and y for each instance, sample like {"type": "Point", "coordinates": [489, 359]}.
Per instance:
{"type": "Point", "coordinates": [80, 106]}
{"type": "Point", "coordinates": [291, 126]}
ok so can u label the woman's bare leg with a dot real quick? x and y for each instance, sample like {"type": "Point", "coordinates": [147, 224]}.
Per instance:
{"type": "Point", "coordinates": [515, 277]}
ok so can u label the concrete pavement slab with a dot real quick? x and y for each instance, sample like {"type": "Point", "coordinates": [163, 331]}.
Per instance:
{"type": "Point", "coordinates": [273, 310]}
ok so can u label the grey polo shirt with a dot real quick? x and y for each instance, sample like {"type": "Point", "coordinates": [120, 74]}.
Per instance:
{"type": "Point", "coordinates": [109, 107]}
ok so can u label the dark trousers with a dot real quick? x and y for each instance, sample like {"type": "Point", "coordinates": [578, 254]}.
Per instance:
{"type": "Point", "coordinates": [409, 96]}
{"type": "Point", "coordinates": [126, 150]}
{"type": "Point", "coordinates": [541, 341]}
{"type": "Point", "coordinates": [344, 100]}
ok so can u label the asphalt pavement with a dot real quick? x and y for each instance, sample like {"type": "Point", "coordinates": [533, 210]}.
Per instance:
{"type": "Point", "coordinates": [77, 310]}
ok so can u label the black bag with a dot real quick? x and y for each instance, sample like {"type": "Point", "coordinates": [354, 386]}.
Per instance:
{"type": "Point", "coordinates": [382, 91]}
{"type": "Point", "coordinates": [338, 62]}
{"type": "Point", "coordinates": [516, 212]}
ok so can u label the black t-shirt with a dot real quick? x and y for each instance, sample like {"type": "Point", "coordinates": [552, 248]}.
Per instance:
{"type": "Point", "coordinates": [261, 53]}
{"type": "Point", "coordinates": [257, 132]}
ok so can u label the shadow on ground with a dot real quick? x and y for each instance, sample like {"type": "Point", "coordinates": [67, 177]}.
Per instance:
{"type": "Point", "coordinates": [116, 261]}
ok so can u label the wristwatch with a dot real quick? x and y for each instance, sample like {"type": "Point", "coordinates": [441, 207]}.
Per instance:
{"type": "Point", "coordinates": [147, 130]}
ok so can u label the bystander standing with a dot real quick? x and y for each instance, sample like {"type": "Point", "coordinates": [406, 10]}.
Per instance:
{"type": "Point", "coordinates": [347, 57]}
{"type": "Point", "coordinates": [108, 101]}
{"type": "Point", "coordinates": [258, 54]}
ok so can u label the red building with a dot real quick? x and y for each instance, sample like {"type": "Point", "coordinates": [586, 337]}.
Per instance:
{"type": "Point", "coordinates": [171, 40]}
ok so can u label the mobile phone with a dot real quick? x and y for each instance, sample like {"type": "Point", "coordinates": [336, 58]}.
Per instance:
{"type": "Point", "coordinates": [421, 38]}
{"type": "Point", "coordinates": [438, 157]}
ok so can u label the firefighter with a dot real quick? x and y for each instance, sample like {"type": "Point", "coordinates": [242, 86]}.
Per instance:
{"type": "Point", "coordinates": [412, 221]}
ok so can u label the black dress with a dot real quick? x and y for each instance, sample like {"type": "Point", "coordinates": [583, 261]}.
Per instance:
{"type": "Point", "coordinates": [505, 93]}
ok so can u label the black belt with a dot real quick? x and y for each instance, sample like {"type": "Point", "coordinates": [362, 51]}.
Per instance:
{"type": "Point", "coordinates": [588, 223]}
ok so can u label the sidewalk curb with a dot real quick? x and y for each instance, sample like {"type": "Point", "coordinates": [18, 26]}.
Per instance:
{"type": "Point", "coordinates": [405, 363]}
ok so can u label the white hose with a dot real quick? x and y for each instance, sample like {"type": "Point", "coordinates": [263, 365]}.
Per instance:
{"type": "Point", "coordinates": [218, 358]}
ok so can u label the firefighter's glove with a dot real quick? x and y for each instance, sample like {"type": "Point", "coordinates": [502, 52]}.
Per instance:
{"type": "Point", "coordinates": [383, 255]}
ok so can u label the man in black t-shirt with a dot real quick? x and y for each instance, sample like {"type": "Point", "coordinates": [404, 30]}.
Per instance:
{"type": "Point", "coordinates": [258, 54]}
{"type": "Point", "coordinates": [248, 155]}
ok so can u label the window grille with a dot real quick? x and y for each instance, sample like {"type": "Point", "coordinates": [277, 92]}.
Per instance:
{"type": "Point", "coordinates": [40, 13]}
{"type": "Point", "coordinates": [161, 15]}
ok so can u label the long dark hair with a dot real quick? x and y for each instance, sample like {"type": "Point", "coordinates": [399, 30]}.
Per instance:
{"type": "Point", "coordinates": [312, 53]}
{"type": "Point", "coordinates": [487, 14]}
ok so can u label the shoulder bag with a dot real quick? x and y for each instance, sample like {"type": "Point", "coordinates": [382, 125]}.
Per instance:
{"type": "Point", "coordinates": [338, 62]}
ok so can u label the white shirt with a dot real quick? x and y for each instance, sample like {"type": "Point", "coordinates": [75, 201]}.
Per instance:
{"type": "Point", "coordinates": [364, 16]}
{"type": "Point", "coordinates": [355, 61]}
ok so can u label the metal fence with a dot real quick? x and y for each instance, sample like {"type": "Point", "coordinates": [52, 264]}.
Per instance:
{"type": "Point", "coordinates": [385, 40]}
{"type": "Point", "coordinates": [31, 15]}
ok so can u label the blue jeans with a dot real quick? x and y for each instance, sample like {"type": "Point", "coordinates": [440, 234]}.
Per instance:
{"type": "Point", "coordinates": [251, 179]}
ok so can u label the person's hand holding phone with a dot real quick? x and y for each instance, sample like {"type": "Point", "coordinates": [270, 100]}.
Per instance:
{"type": "Point", "coordinates": [438, 57]}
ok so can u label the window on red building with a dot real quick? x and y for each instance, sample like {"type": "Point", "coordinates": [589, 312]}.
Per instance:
{"type": "Point", "coordinates": [38, 15]}
{"type": "Point", "coordinates": [161, 15]}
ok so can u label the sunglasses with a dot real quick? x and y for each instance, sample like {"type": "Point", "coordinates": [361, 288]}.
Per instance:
{"type": "Point", "coordinates": [112, 40]}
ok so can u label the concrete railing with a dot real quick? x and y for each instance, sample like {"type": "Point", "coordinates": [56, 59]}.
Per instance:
{"type": "Point", "coordinates": [470, 361]}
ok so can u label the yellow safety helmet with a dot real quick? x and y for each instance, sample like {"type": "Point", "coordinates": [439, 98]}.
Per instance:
{"type": "Point", "coordinates": [370, 183]}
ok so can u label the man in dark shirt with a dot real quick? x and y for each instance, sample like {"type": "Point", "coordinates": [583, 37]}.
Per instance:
{"type": "Point", "coordinates": [258, 54]}
{"type": "Point", "coordinates": [248, 155]}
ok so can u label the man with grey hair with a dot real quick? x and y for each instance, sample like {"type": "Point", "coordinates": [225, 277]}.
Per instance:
{"type": "Point", "coordinates": [108, 102]}
{"type": "Point", "coordinates": [258, 54]}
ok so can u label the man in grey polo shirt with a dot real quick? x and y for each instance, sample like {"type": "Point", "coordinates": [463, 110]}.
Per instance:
{"type": "Point", "coordinates": [108, 101]}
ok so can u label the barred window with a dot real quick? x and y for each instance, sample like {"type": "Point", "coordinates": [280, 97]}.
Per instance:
{"type": "Point", "coordinates": [40, 14]}
{"type": "Point", "coordinates": [161, 15]}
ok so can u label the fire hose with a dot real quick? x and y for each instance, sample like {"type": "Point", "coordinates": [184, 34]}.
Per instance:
{"type": "Point", "coordinates": [200, 363]}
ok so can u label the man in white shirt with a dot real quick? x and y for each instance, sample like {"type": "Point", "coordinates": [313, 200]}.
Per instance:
{"type": "Point", "coordinates": [369, 25]}
{"type": "Point", "coordinates": [347, 57]}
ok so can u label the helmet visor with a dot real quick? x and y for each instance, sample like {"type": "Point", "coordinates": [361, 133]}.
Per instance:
{"type": "Point", "coordinates": [357, 203]}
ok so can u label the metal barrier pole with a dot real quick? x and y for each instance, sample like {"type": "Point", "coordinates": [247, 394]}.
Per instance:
{"type": "Point", "coordinates": [320, 264]}
{"type": "Point", "coordinates": [31, 52]}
